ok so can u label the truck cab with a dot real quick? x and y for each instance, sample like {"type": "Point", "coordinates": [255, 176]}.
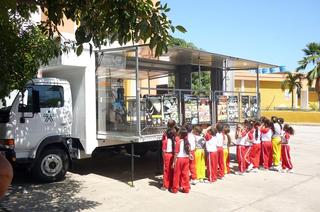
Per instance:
{"type": "Point", "coordinates": [35, 129]}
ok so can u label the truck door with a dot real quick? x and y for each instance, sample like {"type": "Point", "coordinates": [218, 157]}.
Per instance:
{"type": "Point", "coordinates": [32, 128]}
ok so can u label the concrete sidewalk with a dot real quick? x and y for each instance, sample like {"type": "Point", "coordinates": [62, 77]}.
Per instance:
{"type": "Point", "coordinates": [101, 185]}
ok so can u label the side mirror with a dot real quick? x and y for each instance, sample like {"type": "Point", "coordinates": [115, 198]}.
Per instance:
{"type": "Point", "coordinates": [22, 108]}
{"type": "Point", "coordinates": [35, 101]}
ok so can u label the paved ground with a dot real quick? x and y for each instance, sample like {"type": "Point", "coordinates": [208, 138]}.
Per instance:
{"type": "Point", "coordinates": [102, 185]}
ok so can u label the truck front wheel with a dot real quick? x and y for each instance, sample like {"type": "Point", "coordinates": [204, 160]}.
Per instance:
{"type": "Point", "coordinates": [51, 166]}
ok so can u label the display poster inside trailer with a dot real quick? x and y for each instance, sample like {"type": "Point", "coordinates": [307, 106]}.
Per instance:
{"type": "Point", "coordinates": [222, 108]}
{"type": "Point", "coordinates": [170, 109]}
{"type": "Point", "coordinates": [254, 106]}
{"type": "Point", "coordinates": [245, 107]}
{"type": "Point", "coordinates": [154, 110]}
{"type": "Point", "coordinates": [191, 109]}
{"type": "Point", "coordinates": [204, 110]}
{"type": "Point", "coordinates": [233, 111]}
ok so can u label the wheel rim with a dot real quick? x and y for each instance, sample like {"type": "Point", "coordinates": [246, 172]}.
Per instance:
{"type": "Point", "coordinates": [51, 165]}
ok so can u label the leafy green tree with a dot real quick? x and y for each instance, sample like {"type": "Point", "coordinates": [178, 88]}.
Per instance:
{"type": "Point", "coordinates": [312, 58]}
{"type": "Point", "coordinates": [182, 43]}
{"type": "Point", "coordinates": [23, 50]}
{"type": "Point", "coordinates": [202, 84]}
{"type": "Point", "coordinates": [292, 82]}
{"type": "Point", "coordinates": [26, 45]}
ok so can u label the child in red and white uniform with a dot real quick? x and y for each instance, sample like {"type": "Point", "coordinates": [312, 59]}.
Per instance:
{"type": "Point", "coordinates": [255, 136]}
{"type": "Point", "coordinates": [168, 146]}
{"type": "Point", "coordinates": [240, 136]}
{"type": "Point", "coordinates": [181, 163]}
{"type": "Point", "coordinates": [220, 156]}
{"type": "Point", "coordinates": [248, 146]}
{"type": "Point", "coordinates": [192, 163]}
{"type": "Point", "coordinates": [212, 158]}
{"type": "Point", "coordinates": [266, 136]}
{"type": "Point", "coordinates": [226, 145]}
{"type": "Point", "coordinates": [285, 148]}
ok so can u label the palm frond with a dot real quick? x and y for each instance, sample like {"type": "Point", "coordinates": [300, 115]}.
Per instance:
{"type": "Point", "coordinates": [313, 73]}
{"type": "Point", "coordinates": [292, 81]}
{"type": "Point", "coordinates": [310, 82]}
{"type": "Point", "coordinates": [312, 56]}
{"type": "Point", "coordinates": [303, 64]}
{"type": "Point", "coordinates": [283, 85]}
{"type": "Point", "coordinates": [298, 85]}
{"type": "Point", "coordinates": [312, 48]}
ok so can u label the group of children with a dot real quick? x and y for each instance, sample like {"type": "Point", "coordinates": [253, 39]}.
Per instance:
{"type": "Point", "coordinates": [192, 154]}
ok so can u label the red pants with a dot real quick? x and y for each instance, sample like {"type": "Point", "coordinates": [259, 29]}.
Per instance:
{"type": "Point", "coordinates": [267, 154]}
{"type": "Point", "coordinates": [285, 155]}
{"type": "Point", "coordinates": [261, 155]}
{"type": "Point", "coordinates": [181, 175]}
{"type": "Point", "coordinates": [240, 157]}
{"type": "Point", "coordinates": [220, 162]}
{"type": "Point", "coordinates": [167, 170]}
{"type": "Point", "coordinates": [255, 155]}
{"type": "Point", "coordinates": [212, 166]}
{"type": "Point", "coordinates": [192, 166]}
{"type": "Point", "coordinates": [247, 159]}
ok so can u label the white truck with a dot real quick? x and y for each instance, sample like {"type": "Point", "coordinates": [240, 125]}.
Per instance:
{"type": "Point", "coordinates": [62, 116]}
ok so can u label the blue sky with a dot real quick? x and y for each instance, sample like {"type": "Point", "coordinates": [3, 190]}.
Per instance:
{"type": "Point", "coordinates": [271, 31]}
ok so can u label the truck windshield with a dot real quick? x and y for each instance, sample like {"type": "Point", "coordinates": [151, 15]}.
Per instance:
{"type": "Point", "coordinates": [5, 106]}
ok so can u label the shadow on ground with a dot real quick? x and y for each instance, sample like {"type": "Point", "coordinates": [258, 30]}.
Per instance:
{"type": "Point", "coordinates": [25, 195]}
{"type": "Point", "coordinates": [118, 167]}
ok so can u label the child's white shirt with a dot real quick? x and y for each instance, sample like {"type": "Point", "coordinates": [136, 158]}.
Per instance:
{"type": "Point", "coordinates": [219, 139]}
{"type": "Point", "coordinates": [211, 145]}
{"type": "Point", "coordinates": [192, 141]}
{"type": "Point", "coordinates": [266, 136]}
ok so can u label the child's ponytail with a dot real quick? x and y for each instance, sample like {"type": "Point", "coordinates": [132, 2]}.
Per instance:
{"type": "Point", "coordinates": [274, 120]}
{"type": "Point", "coordinates": [290, 130]}
{"type": "Point", "coordinates": [280, 122]}
{"type": "Point", "coordinates": [256, 129]}
{"type": "Point", "coordinates": [184, 135]}
{"type": "Point", "coordinates": [171, 133]}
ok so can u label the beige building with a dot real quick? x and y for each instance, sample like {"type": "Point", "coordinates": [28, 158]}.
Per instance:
{"type": "Point", "coordinates": [272, 96]}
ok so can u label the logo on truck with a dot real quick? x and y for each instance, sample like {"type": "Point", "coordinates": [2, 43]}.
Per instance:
{"type": "Point", "coordinates": [48, 116]}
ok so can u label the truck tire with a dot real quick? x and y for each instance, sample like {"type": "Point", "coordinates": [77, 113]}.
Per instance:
{"type": "Point", "coordinates": [51, 166]}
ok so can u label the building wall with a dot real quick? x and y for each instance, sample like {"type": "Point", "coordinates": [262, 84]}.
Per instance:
{"type": "Point", "coordinates": [270, 89]}
{"type": "Point", "coordinates": [250, 86]}
{"type": "Point", "coordinates": [295, 117]}
{"type": "Point", "coordinates": [237, 85]}
{"type": "Point", "coordinates": [313, 98]}
{"type": "Point", "coordinates": [271, 94]}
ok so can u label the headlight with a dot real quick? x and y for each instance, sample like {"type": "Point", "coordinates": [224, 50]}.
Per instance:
{"type": "Point", "coordinates": [7, 143]}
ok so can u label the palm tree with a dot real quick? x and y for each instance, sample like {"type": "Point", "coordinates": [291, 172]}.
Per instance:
{"type": "Point", "coordinates": [312, 58]}
{"type": "Point", "coordinates": [292, 81]}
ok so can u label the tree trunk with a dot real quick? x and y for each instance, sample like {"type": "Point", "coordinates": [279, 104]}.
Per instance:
{"type": "Point", "coordinates": [318, 101]}
{"type": "Point", "coordinates": [317, 89]}
{"type": "Point", "coordinates": [292, 100]}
